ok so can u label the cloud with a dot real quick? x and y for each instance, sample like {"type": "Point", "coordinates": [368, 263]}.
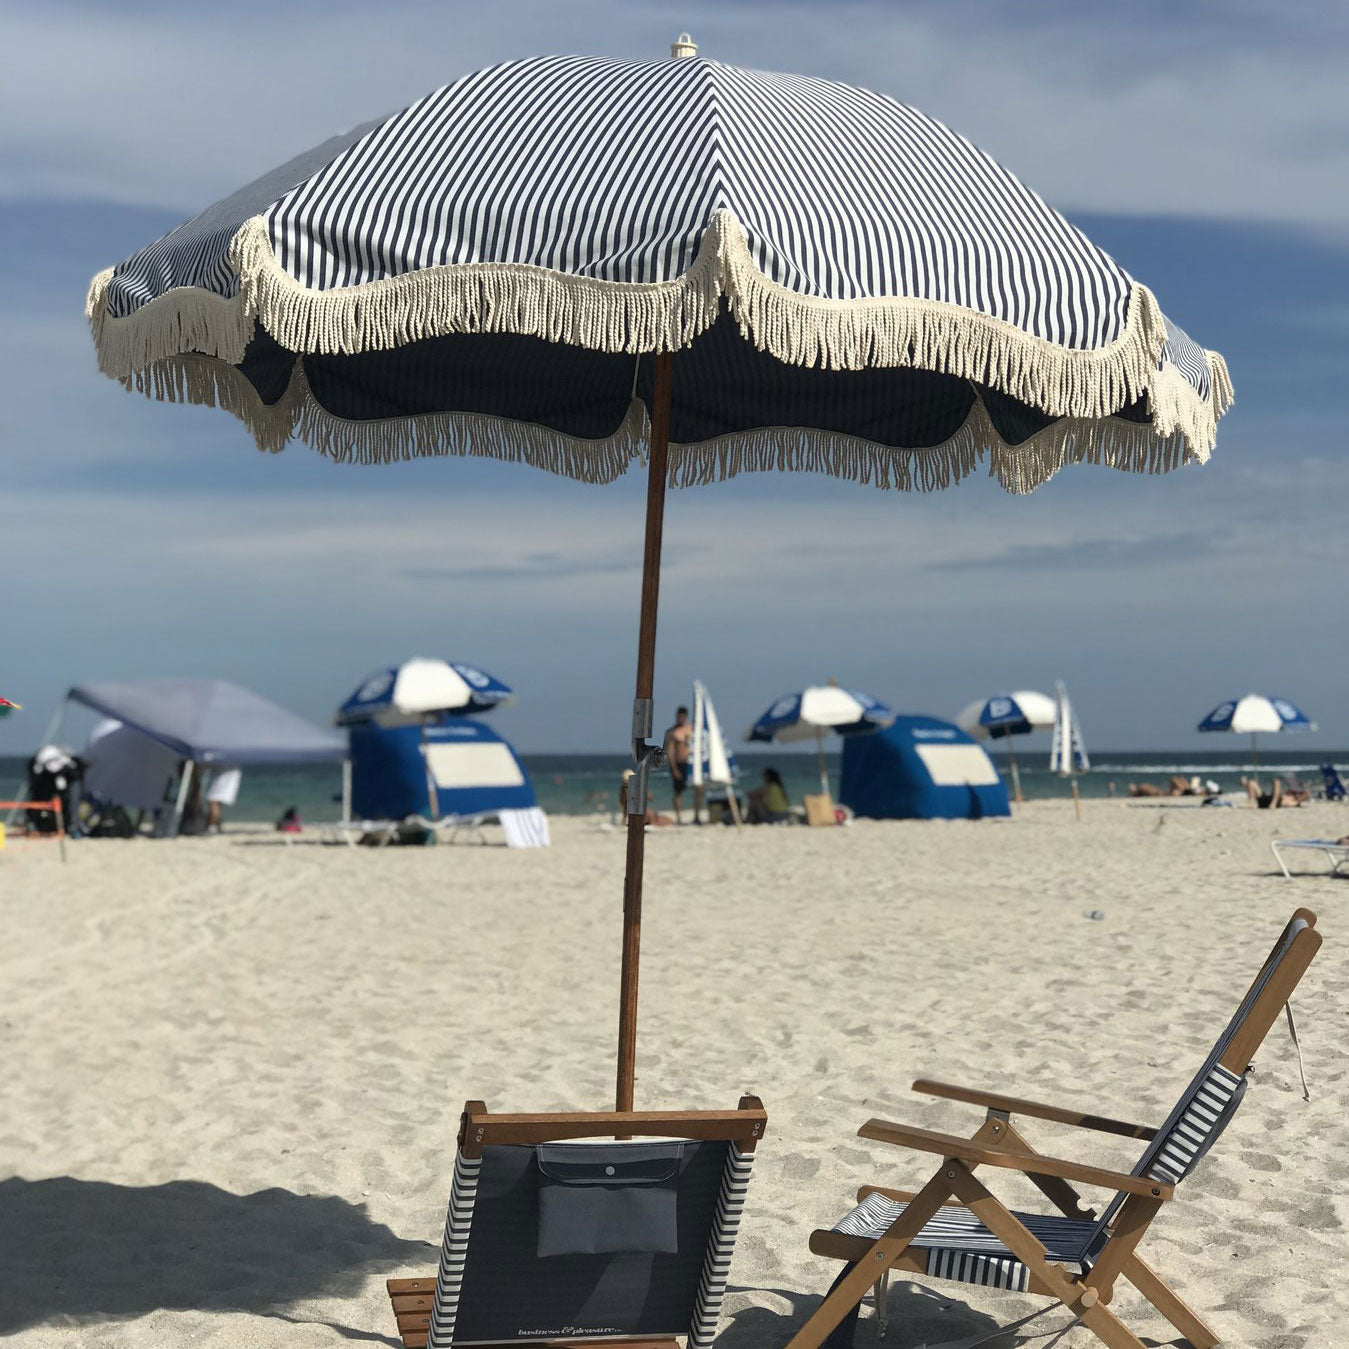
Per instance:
{"type": "Point", "coordinates": [1232, 110]}
{"type": "Point", "coordinates": [1091, 554]}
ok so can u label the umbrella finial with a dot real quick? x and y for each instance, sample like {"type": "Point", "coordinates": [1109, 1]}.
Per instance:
{"type": "Point", "coordinates": [683, 46]}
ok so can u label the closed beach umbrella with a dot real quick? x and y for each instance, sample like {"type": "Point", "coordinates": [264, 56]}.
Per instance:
{"type": "Point", "coordinates": [710, 760]}
{"type": "Point", "coordinates": [408, 692]}
{"type": "Point", "coordinates": [1067, 750]}
{"type": "Point", "coordinates": [814, 712]}
{"type": "Point", "coordinates": [1254, 715]}
{"type": "Point", "coordinates": [590, 265]}
{"type": "Point", "coordinates": [1005, 715]}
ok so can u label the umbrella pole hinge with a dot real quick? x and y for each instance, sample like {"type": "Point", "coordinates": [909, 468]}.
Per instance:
{"type": "Point", "coordinates": [648, 757]}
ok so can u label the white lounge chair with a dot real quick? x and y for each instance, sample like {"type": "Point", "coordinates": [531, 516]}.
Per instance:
{"type": "Point", "coordinates": [1337, 854]}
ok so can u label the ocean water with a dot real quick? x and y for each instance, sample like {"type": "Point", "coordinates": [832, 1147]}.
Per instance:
{"type": "Point", "coordinates": [577, 784]}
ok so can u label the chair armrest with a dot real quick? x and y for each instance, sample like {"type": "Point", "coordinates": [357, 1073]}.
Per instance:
{"type": "Point", "coordinates": [1031, 1164]}
{"type": "Point", "coordinates": [1013, 1105]}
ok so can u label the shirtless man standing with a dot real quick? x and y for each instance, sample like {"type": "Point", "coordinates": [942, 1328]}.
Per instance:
{"type": "Point", "coordinates": [677, 746]}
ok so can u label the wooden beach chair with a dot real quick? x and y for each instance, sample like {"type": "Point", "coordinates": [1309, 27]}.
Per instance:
{"type": "Point", "coordinates": [560, 1242]}
{"type": "Point", "coordinates": [954, 1228]}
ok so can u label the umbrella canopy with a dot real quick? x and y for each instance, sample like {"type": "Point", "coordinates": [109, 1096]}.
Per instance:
{"type": "Point", "coordinates": [517, 264]}
{"type": "Point", "coordinates": [6, 707]}
{"type": "Point", "coordinates": [1256, 714]}
{"type": "Point", "coordinates": [818, 709]}
{"type": "Point", "coordinates": [405, 693]}
{"type": "Point", "coordinates": [1007, 714]}
{"type": "Point", "coordinates": [855, 289]}
{"type": "Point", "coordinates": [211, 721]}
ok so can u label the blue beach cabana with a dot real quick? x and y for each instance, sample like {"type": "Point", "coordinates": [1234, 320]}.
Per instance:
{"type": "Point", "coordinates": [920, 768]}
{"type": "Point", "coordinates": [470, 769]}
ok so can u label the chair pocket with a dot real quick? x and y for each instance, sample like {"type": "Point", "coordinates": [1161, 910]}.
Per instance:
{"type": "Point", "coordinates": [603, 1199]}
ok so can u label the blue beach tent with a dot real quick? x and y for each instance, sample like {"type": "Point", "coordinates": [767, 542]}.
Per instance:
{"type": "Point", "coordinates": [468, 767]}
{"type": "Point", "coordinates": [920, 768]}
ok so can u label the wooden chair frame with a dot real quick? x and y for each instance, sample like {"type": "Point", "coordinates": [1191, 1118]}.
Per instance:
{"type": "Point", "coordinates": [744, 1127]}
{"type": "Point", "coordinates": [998, 1144]}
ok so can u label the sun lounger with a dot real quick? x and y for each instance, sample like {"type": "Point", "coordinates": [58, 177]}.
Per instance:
{"type": "Point", "coordinates": [954, 1228]}
{"type": "Point", "coordinates": [628, 1236]}
{"type": "Point", "coordinates": [1336, 853]}
{"type": "Point", "coordinates": [522, 828]}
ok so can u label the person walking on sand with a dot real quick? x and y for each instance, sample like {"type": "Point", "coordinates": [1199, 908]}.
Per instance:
{"type": "Point", "coordinates": [678, 746]}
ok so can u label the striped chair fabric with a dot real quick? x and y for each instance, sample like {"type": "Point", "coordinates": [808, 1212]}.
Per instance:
{"type": "Point", "coordinates": [960, 1247]}
{"type": "Point", "coordinates": [720, 1247]}
{"type": "Point", "coordinates": [453, 1250]}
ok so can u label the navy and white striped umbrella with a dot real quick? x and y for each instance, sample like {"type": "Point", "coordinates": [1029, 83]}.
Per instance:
{"type": "Point", "coordinates": [408, 692]}
{"type": "Point", "coordinates": [520, 263]}
{"type": "Point", "coordinates": [852, 287]}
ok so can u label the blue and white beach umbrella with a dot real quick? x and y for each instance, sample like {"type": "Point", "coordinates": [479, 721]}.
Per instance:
{"type": "Point", "coordinates": [418, 687]}
{"type": "Point", "coordinates": [592, 265]}
{"type": "Point", "coordinates": [817, 710]}
{"type": "Point", "coordinates": [1005, 715]}
{"type": "Point", "coordinates": [1256, 715]}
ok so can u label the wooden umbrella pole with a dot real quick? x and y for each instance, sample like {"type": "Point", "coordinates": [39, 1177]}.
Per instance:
{"type": "Point", "coordinates": [648, 756]}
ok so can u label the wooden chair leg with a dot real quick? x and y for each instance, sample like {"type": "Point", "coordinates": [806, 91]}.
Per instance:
{"type": "Point", "coordinates": [850, 1290]}
{"type": "Point", "coordinates": [1150, 1284]}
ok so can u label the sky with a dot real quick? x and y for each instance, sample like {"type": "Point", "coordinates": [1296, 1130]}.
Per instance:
{"type": "Point", "coordinates": [1205, 146]}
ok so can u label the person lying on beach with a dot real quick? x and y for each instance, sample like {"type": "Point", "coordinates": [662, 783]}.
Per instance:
{"type": "Point", "coordinates": [653, 817]}
{"type": "Point", "coordinates": [769, 804]}
{"type": "Point", "coordinates": [1176, 786]}
{"type": "Point", "coordinates": [1272, 799]}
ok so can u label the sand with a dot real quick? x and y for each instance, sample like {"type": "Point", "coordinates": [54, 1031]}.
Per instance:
{"type": "Point", "coordinates": [233, 1069]}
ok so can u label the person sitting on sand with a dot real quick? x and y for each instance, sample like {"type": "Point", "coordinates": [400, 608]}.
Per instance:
{"type": "Point", "coordinates": [769, 804]}
{"type": "Point", "coordinates": [289, 823]}
{"type": "Point", "coordinates": [1268, 800]}
{"type": "Point", "coordinates": [653, 817]}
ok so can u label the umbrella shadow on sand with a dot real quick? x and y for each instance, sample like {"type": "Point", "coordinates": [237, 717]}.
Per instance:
{"type": "Point", "coordinates": [93, 1251]}
{"type": "Point", "coordinates": [916, 1317]}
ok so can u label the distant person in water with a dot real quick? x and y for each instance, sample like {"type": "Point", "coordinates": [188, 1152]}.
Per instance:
{"type": "Point", "coordinates": [678, 746]}
{"type": "Point", "coordinates": [653, 818]}
{"type": "Point", "coordinates": [769, 804]}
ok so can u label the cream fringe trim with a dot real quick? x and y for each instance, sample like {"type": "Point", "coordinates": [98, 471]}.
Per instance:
{"type": "Point", "coordinates": [298, 415]}
{"type": "Point", "coordinates": [659, 316]}
{"type": "Point", "coordinates": [1129, 446]}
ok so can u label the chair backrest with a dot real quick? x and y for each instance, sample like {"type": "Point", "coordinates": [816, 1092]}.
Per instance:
{"type": "Point", "coordinates": [1210, 1100]}
{"type": "Point", "coordinates": [1335, 790]}
{"type": "Point", "coordinates": [627, 1235]}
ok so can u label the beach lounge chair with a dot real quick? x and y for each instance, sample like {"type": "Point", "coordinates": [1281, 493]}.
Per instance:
{"type": "Point", "coordinates": [550, 1239]}
{"type": "Point", "coordinates": [1336, 853]}
{"type": "Point", "coordinates": [954, 1228]}
{"type": "Point", "coordinates": [1334, 785]}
